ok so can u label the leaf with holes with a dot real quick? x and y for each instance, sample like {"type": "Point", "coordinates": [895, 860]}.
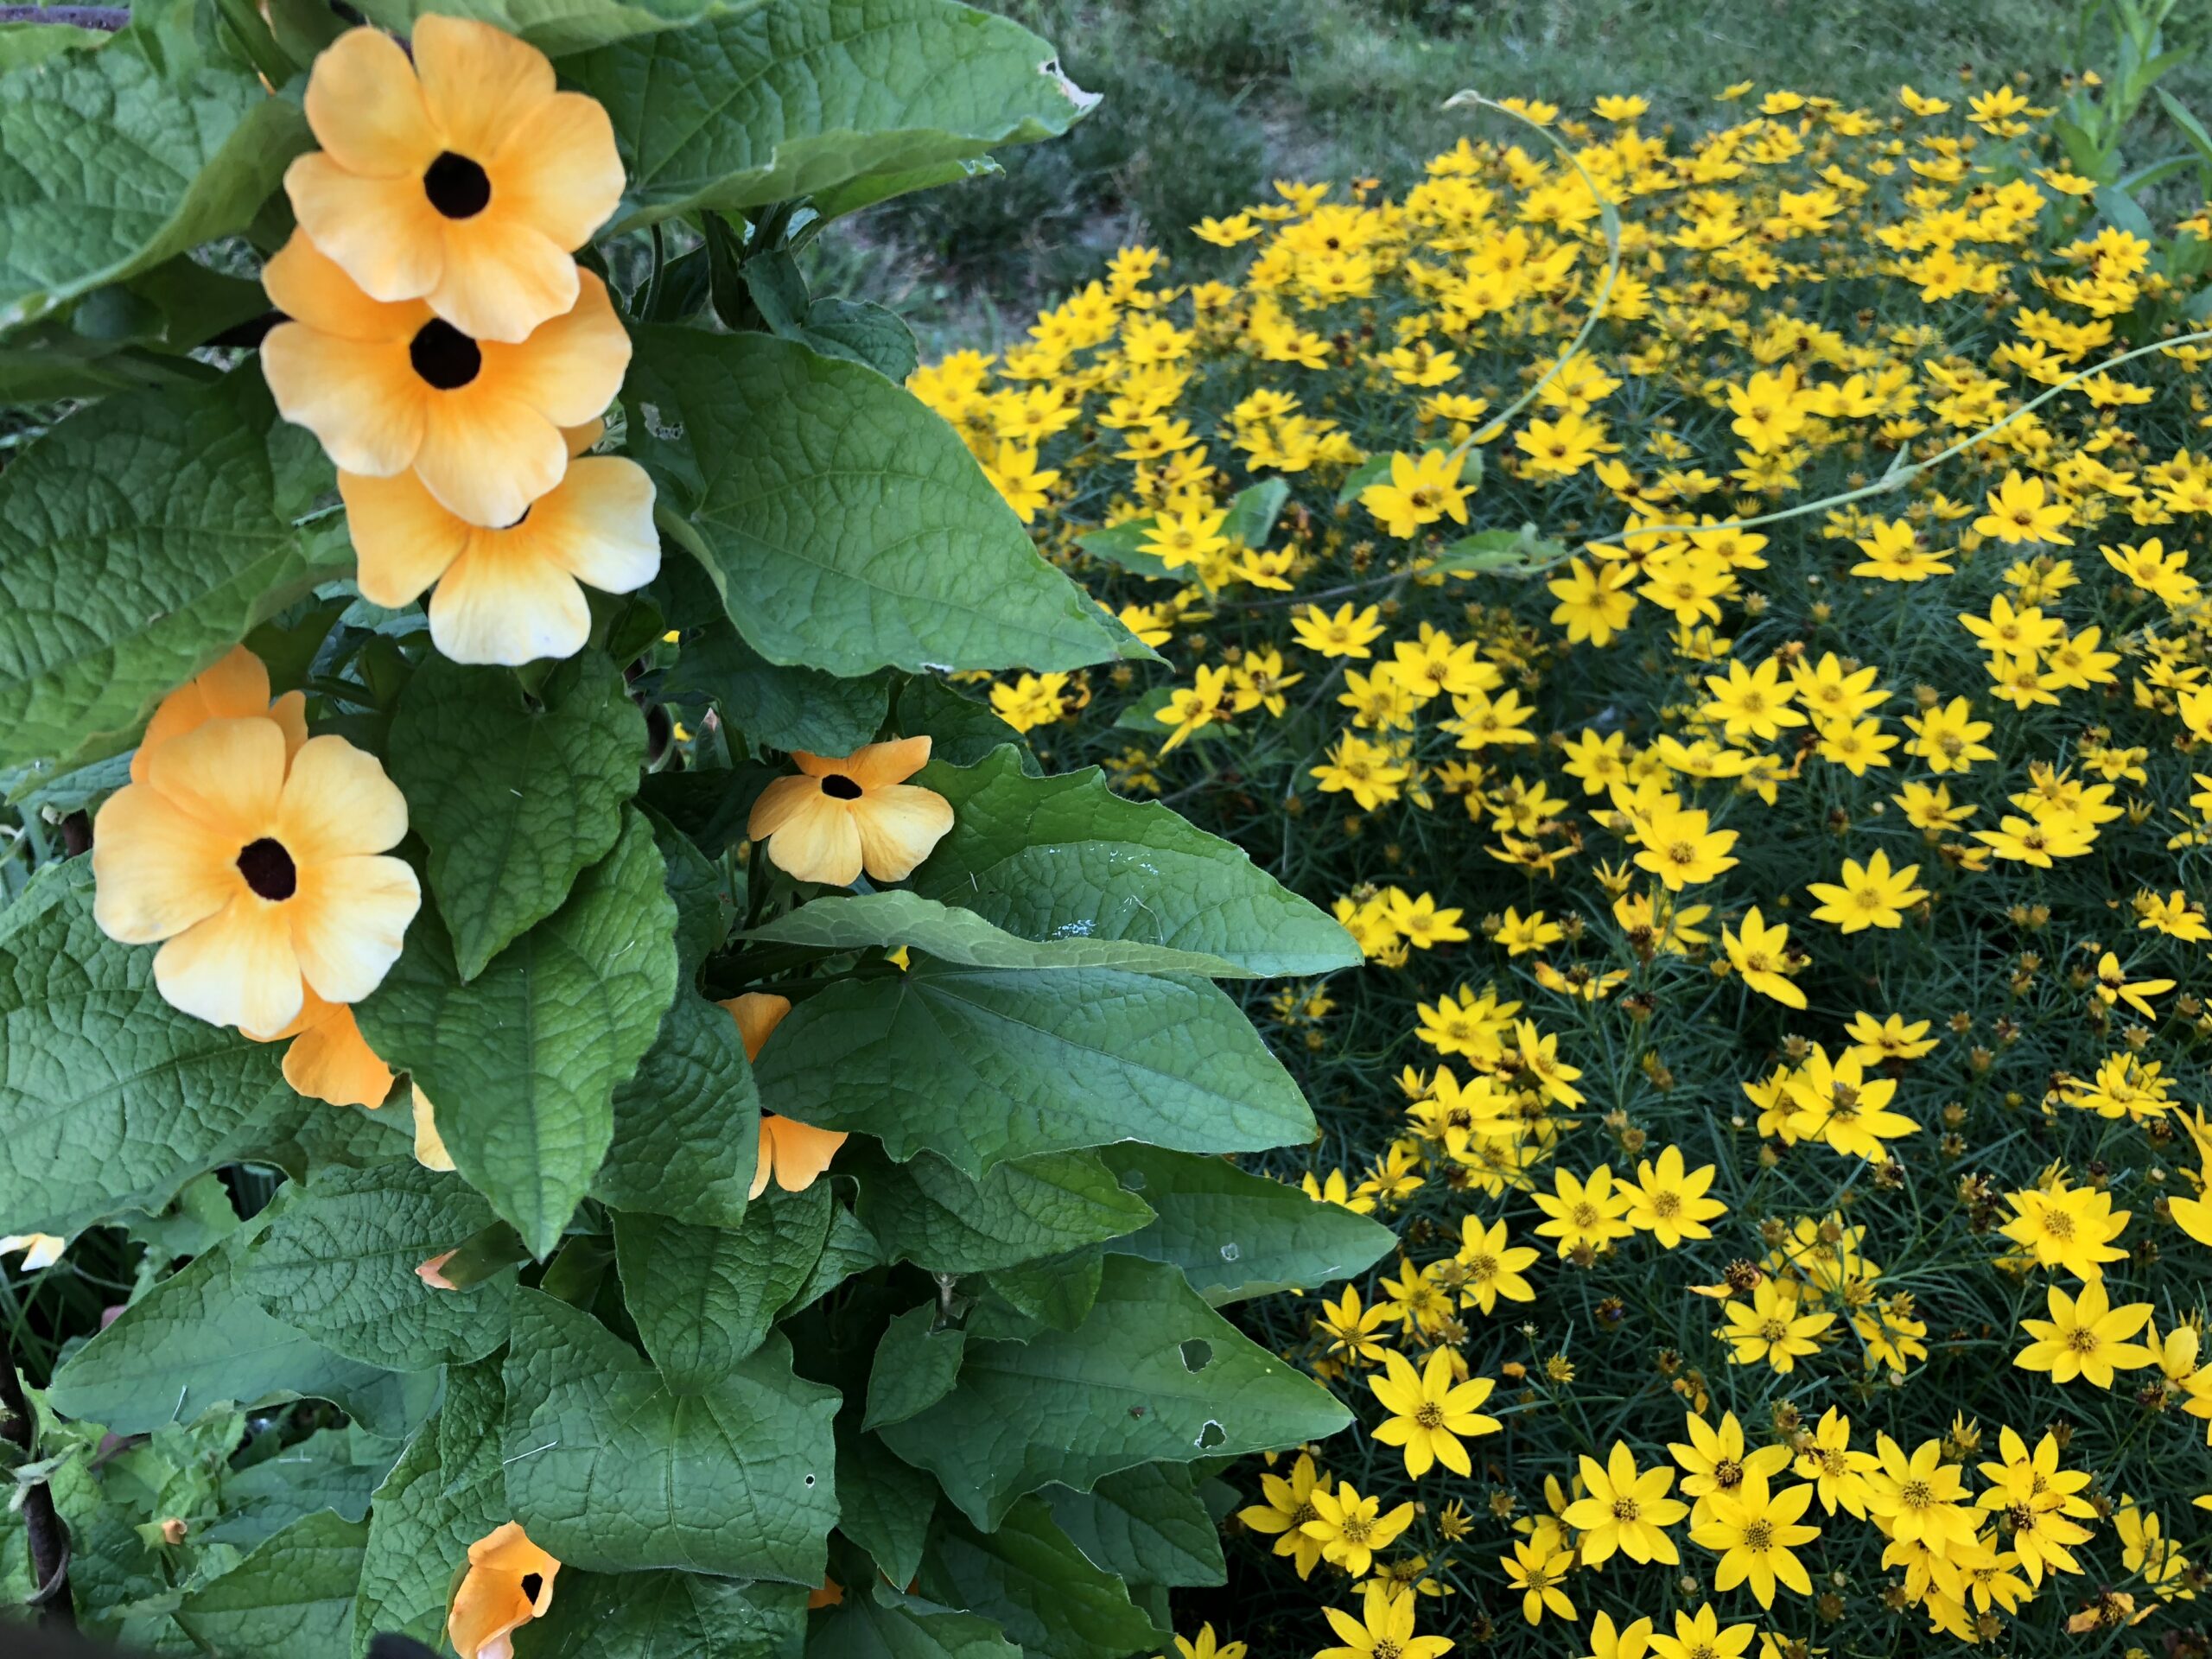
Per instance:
{"type": "Point", "coordinates": [1153, 1375]}
{"type": "Point", "coordinates": [1064, 856]}
{"type": "Point", "coordinates": [1234, 1234]}
{"type": "Point", "coordinates": [829, 101]}
{"type": "Point", "coordinates": [983, 1065]}
{"type": "Point", "coordinates": [612, 1471]}
{"type": "Point", "coordinates": [514, 795]}
{"type": "Point", "coordinates": [845, 524]}
{"type": "Point", "coordinates": [525, 1058]}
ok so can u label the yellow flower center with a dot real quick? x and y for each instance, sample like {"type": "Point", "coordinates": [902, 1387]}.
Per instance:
{"type": "Point", "coordinates": [1727, 1474]}
{"type": "Point", "coordinates": [2081, 1339]}
{"type": "Point", "coordinates": [1666, 1204]}
{"type": "Point", "coordinates": [1354, 1529]}
{"type": "Point", "coordinates": [1916, 1495]}
{"type": "Point", "coordinates": [1759, 1536]}
{"type": "Point", "coordinates": [1431, 1415]}
{"type": "Point", "coordinates": [1625, 1510]}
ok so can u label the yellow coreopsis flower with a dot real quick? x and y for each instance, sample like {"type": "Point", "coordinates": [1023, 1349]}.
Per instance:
{"type": "Point", "coordinates": [2019, 512]}
{"type": "Point", "coordinates": [1669, 1200]}
{"type": "Point", "coordinates": [1761, 954]}
{"type": "Point", "coordinates": [1700, 1636]}
{"type": "Point", "coordinates": [1351, 1529]}
{"type": "Point", "coordinates": [1289, 1507]}
{"type": "Point", "coordinates": [2086, 1337]}
{"type": "Point", "coordinates": [1431, 1411]}
{"type": "Point", "coordinates": [1384, 1630]}
{"type": "Point", "coordinates": [1774, 1327]}
{"type": "Point", "coordinates": [1535, 1572]}
{"type": "Point", "coordinates": [1419, 493]}
{"type": "Point", "coordinates": [1626, 1510]}
{"type": "Point", "coordinates": [1756, 1530]}
{"type": "Point", "coordinates": [1837, 1102]}
{"type": "Point", "coordinates": [2069, 1227]}
{"type": "Point", "coordinates": [1870, 894]}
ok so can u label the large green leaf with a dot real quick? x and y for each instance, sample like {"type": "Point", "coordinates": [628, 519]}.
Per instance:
{"type": "Point", "coordinates": [1234, 1234]}
{"type": "Point", "coordinates": [686, 1127]}
{"type": "Point", "coordinates": [139, 540]}
{"type": "Point", "coordinates": [704, 1297]}
{"type": "Point", "coordinates": [110, 1099]}
{"type": "Point", "coordinates": [895, 1626]}
{"type": "Point", "coordinates": [966, 939]}
{"type": "Point", "coordinates": [292, 1595]}
{"type": "Point", "coordinates": [113, 160]}
{"type": "Point", "coordinates": [523, 1061]}
{"type": "Point", "coordinates": [917, 1363]}
{"type": "Point", "coordinates": [774, 706]}
{"type": "Point", "coordinates": [884, 1505]}
{"type": "Point", "coordinates": [515, 795]}
{"type": "Point", "coordinates": [556, 27]}
{"type": "Point", "coordinates": [803, 99]}
{"type": "Point", "coordinates": [1152, 1376]}
{"type": "Point", "coordinates": [927, 1213]}
{"type": "Point", "coordinates": [771, 705]}
{"type": "Point", "coordinates": [446, 1491]}
{"type": "Point", "coordinates": [332, 1469]}
{"type": "Point", "coordinates": [845, 524]}
{"type": "Point", "coordinates": [197, 1339]}
{"type": "Point", "coordinates": [612, 1471]}
{"type": "Point", "coordinates": [1028, 1577]}
{"type": "Point", "coordinates": [1050, 857]}
{"type": "Point", "coordinates": [1147, 1524]}
{"type": "Point", "coordinates": [340, 1263]}
{"type": "Point", "coordinates": [982, 1065]}
{"type": "Point", "coordinates": [665, 1616]}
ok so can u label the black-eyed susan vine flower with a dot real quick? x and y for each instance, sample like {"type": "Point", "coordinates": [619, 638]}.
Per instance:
{"type": "Point", "coordinates": [508, 1583]}
{"type": "Point", "coordinates": [856, 812]}
{"type": "Point", "coordinates": [258, 860]}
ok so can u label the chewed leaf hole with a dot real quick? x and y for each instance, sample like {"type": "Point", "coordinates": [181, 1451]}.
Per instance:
{"type": "Point", "coordinates": [1197, 1354]}
{"type": "Point", "coordinates": [810, 1482]}
{"type": "Point", "coordinates": [1210, 1436]}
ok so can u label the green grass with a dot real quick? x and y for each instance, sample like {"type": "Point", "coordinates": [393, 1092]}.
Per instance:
{"type": "Point", "coordinates": [1207, 101]}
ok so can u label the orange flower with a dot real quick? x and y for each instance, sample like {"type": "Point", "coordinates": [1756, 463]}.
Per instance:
{"type": "Point", "coordinates": [509, 595]}
{"type": "Point", "coordinates": [237, 685]}
{"type": "Point", "coordinates": [261, 868]}
{"type": "Point", "coordinates": [462, 179]}
{"type": "Point", "coordinates": [391, 386]}
{"type": "Point", "coordinates": [510, 1582]}
{"type": "Point", "coordinates": [329, 1059]}
{"type": "Point", "coordinates": [839, 817]}
{"type": "Point", "coordinates": [794, 1154]}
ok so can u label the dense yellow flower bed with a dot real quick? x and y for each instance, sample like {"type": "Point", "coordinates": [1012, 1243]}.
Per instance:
{"type": "Point", "coordinates": [1755, 748]}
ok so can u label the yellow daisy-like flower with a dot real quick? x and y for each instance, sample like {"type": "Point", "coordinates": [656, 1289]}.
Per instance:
{"type": "Point", "coordinates": [838, 818]}
{"type": "Point", "coordinates": [391, 386]}
{"type": "Point", "coordinates": [259, 865]}
{"type": "Point", "coordinates": [509, 1582]}
{"type": "Point", "coordinates": [461, 179]}
{"type": "Point", "coordinates": [513, 594]}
